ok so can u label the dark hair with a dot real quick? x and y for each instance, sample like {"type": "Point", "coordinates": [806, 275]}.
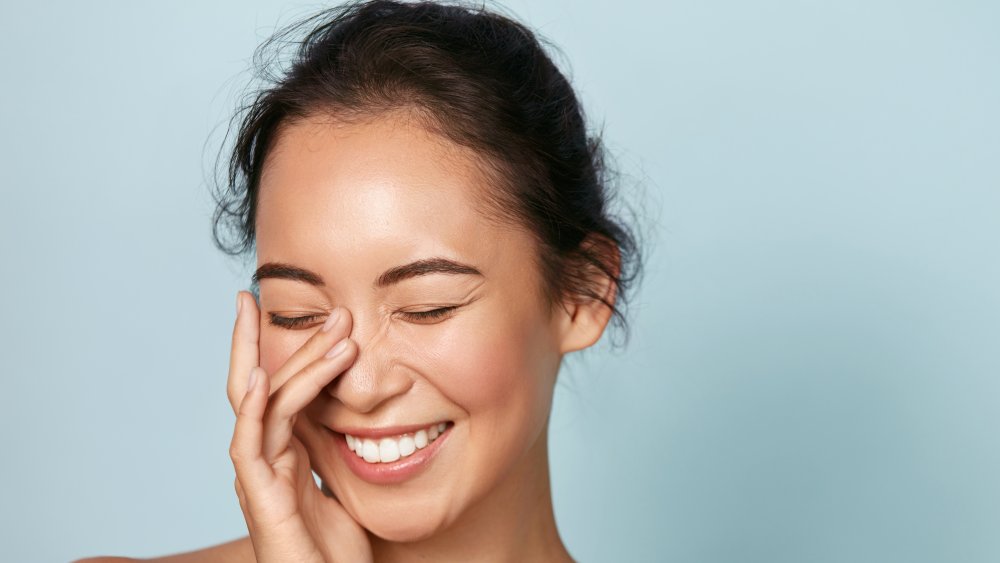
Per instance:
{"type": "Point", "coordinates": [481, 80]}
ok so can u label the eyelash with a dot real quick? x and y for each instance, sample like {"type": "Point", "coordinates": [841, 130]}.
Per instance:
{"type": "Point", "coordinates": [296, 322]}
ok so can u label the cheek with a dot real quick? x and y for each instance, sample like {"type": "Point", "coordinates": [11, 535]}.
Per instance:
{"type": "Point", "coordinates": [494, 367]}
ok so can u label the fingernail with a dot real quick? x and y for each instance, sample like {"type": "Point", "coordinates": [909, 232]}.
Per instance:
{"type": "Point", "coordinates": [239, 303]}
{"type": "Point", "coordinates": [331, 320]}
{"type": "Point", "coordinates": [337, 348]}
{"type": "Point", "coordinates": [253, 379]}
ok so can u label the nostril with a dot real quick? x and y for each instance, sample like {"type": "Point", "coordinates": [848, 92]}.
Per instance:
{"type": "Point", "coordinates": [370, 379]}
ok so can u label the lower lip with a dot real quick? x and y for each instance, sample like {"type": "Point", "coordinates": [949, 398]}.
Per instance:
{"type": "Point", "coordinates": [395, 471]}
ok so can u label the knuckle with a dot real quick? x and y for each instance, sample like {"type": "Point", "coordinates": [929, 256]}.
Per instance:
{"type": "Point", "coordinates": [236, 453]}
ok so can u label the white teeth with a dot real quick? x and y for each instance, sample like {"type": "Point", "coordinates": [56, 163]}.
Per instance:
{"type": "Point", "coordinates": [420, 439]}
{"type": "Point", "coordinates": [406, 446]}
{"type": "Point", "coordinates": [387, 450]}
{"type": "Point", "coordinates": [370, 452]}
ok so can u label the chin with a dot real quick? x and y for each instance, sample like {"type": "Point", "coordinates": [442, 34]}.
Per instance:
{"type": "Point", "coordinates": [402, 522]}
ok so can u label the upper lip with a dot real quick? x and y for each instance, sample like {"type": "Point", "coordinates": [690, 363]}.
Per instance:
{"type": "Point", "coordinates": [362, 432]}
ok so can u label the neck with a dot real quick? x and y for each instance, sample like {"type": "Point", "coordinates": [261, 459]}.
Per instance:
{"type": "Point", "coordinates": [514, 522]}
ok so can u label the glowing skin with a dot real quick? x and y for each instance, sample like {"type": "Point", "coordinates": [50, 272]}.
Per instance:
{"type": "Point", "coordinates": [349, 201]}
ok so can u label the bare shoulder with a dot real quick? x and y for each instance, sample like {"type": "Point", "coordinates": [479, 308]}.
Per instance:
{"type": "Point", "coordinates": [239, 550]}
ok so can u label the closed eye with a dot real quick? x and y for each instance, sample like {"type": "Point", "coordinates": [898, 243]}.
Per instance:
{"type": "Point", "coordinates": [292, 323]}
{"type": "Point", "coordinates": [433, 314]}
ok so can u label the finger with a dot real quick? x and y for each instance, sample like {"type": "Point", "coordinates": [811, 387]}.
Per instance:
{"type": "Point", "coordinates": [244, 506]}
{"type": "Point", "coordinates": [244, 353]}
{"type": "Point", "coordinates": [304, 470]}
{"type": "Point", "coordinates": [298, 392]}
{"type": "Point", "coordinates": [337, 326]}
{"type": "Point", "coordinates": [246, 446]}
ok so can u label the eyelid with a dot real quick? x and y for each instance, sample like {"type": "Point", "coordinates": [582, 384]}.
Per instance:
{"type": "Point", "coordinates": [433, 314]}
{"type": "Point", "coordinates": [443, 313]}
{"type": "Point", "coordinates": [292, 323]}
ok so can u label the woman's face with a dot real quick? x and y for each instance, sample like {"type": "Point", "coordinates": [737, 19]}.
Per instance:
{"type": "Point", "coordinates": [349, 202]}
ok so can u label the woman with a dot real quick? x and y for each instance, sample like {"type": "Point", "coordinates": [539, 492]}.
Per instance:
{"type": "Point", "coordinates": [431, 234]}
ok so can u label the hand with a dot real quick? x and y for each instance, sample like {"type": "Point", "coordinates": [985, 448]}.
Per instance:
{"type": "Point", "coordinates": [288, 516]}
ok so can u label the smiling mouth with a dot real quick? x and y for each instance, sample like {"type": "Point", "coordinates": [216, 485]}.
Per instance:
{"type": "Point", "coordinates": [388, 449]}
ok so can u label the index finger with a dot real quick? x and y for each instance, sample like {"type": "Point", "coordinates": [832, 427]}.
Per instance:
{"type": "Point", "coordinates": [244, 354]}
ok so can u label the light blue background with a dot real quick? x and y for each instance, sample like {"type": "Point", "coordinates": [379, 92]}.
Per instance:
{"type": "Point", "coordinates": [814, 370]}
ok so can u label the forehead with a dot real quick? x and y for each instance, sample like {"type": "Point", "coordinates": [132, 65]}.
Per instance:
{"type": "Point", "coordinates": [386, 187]}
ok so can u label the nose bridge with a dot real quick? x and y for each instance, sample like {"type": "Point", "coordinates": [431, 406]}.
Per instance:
{"type": "Point", "coordinates": [375, 376]}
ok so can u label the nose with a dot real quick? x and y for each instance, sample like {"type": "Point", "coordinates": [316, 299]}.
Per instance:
{"type": "Point", "coordinates": [373, 378]}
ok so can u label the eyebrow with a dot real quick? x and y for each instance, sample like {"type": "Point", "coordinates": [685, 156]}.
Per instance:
{"type": "Point", "coordinates": [423, 267]}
